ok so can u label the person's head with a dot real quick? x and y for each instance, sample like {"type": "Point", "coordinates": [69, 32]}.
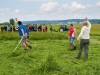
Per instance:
{"type": "Point", "coordinates": [71, 25]}
{"type": "Point", "coordinates": [27, 26]}
{"type": "Point", "coordinates": [85, 23]}
{"type": "Point", "coordinates": [19, 22]}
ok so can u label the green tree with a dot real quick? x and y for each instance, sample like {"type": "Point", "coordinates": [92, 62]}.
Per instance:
{"type": "Point", "coordinates": [5, 23]}
{"type": "Point", "coordinates": [12, 21]}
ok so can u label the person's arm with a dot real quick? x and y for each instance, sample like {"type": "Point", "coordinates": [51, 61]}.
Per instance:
{"type": "Point", "coordinates": [22, 32]}
{"type": "Point", "coordinates": [89, 24]}
{"type": "Point", "coordinates": [75, 33]}
{"type": "Point", "coordinates": [81, 33]}
{"type": "Point", "coordinates": [21, 28]}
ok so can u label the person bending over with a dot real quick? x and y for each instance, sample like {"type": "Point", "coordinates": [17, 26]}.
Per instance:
{"type": "Point", "coordinates": [23, 34]}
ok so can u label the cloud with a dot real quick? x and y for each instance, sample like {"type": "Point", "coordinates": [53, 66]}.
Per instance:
{"type": "Point", "coordinates": [37, 0]}
{"type": "Point", "coordinates": [17, 10]}
{"type": "Point", "coordinates": [75, 6]}
{"type": "Point", "coordinates": [72, 7]}
{"type": "Point", "coordinates": [1, 9]}
{"type": "Point", "coordinates": [65, 6]}
{"type": "Point", "coordinates": [89, 5]}
{"type": "Point", "coordinates": [77, 15]}
{"type": "Point", "coordinates": [30, 0]}
{"type": "Point", "coordinates": [98, 4]}
{"type": "Point", "coordinates": [46, 7]}
{"type": "Point", "coordinates": [31, 15]}
{"type": "Point", "coordinates": [2, 14]}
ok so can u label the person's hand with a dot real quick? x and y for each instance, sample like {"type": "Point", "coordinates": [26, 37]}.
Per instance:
{"type": "Point", "coordinates": [77, 40]}
{"type": "Point", "coordinates": [86, 19]}
{"type": "Point", "coordinates": [16, 19]}
{"type": "Point", "coordinates": [23, 35]}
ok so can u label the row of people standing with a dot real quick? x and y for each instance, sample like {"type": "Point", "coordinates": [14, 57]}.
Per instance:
{"type": "Point", "coordinates": [34, 28]}
{"type": "Point", "coordinates": [8, 28]}
{"type": "Point", "coordinates": [38, 28]}
{"type": "Point", "coordinates": [15, 28]}
{"type": "Point", "coordinates": [42, 28]}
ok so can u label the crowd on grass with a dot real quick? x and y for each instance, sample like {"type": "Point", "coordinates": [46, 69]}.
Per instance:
{"type": "Point", "coordinates": [8, 28]}
{"type": "Point", "coordinates": [33, 27]}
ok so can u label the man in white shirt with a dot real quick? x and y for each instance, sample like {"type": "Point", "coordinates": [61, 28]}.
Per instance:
{"type": "Point", "coordinates": [84, 39]}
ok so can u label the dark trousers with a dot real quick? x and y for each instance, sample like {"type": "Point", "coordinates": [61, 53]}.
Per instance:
{"type": "Point", "coordinates": [84, 43]}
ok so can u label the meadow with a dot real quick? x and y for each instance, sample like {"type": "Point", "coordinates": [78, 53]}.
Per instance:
{"type": "Point", "coordinates": [50, 54]}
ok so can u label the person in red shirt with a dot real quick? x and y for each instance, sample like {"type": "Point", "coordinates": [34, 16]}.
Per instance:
{"type": "Point", "coordinates": [72, 36]}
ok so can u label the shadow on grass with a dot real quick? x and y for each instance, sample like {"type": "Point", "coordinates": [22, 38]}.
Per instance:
{"type": "Point", "coordinates": [14, 54]}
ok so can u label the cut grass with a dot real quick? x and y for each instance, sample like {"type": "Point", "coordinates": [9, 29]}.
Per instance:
{"type": "Point", "coordinates": [48, 50]}
{"type": "Point", "coordinates": [37, 60]}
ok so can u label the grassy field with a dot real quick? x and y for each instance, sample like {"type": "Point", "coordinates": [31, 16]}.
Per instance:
{"type": "Point", "coordinates": [50, 54]}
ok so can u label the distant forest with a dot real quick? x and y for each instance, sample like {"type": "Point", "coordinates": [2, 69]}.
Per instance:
{"type": "Point", "coordinates": [97, 21]}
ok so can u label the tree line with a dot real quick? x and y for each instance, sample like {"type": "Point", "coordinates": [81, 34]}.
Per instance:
{"type": "Point", "coordinates": [11, 22]}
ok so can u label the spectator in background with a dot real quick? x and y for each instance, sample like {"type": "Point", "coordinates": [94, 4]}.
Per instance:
{"type": "Point", "coordinates": [43, 27]}
{"type": "Point", "coordinates": [27, 30]}
{"type": "Point", "coordinates": [14, 28]}
{"type": "Point", "coordinates": [8, 28]}
{"type": "Point", "coordinates": [46, 28]}
{"type": "Point", "coordinates": [30, 28]}
{"type": "Point", "coordinates": [51, 28]}
{"type": "Point", "coordinates": [2, 28]}
{"type": "Point", "coordinates": [5, 28]}
{"type": "Point", "coordinates": [84, 39]}
{"type": "Point", "coordinates": [35, 28]}
{"type": "Point", "coordinates": [40, 28]}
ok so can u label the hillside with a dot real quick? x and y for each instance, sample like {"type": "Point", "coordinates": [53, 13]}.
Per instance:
{"type": "Point", "coordinates": [60, 21]}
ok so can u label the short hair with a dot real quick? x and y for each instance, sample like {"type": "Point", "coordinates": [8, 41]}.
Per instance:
{"type": "Point", "coordinates": [19, 22]}
{"type": "Point", "coordinates": [85, 23]}
{"type": "Point", "coordinates": [26, 25]}
{"type": "Point", "coordinates": [71, 25]}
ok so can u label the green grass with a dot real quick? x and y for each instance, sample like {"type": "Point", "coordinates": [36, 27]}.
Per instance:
{"type": "Point", "coordinates": [34, 35]}
{"type": "Point", "coordinates": [50, 55]}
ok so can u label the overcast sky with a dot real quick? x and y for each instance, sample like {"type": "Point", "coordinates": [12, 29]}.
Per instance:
{"type": "Point", "coordinates": [29, 10]}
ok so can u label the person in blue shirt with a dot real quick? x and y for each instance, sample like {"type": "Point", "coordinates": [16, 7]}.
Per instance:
{"type": "Point", "coordinates": [23, 34]}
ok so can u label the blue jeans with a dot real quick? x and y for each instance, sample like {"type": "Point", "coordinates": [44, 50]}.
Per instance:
{"type": "Point", "coordinates": [72, 40]}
